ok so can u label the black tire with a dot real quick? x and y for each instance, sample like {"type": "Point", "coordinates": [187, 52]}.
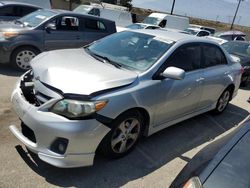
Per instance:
{"type": "Point", "coordinates": [227, 93]}
{"type": "Point", "coordinates": [106, 145]}
{"type": "Point", "coordinates": [31, 52]}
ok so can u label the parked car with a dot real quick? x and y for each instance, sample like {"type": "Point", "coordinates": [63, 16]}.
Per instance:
{"type": "Point", "coordinates": [108, 94]}
{"type": "Point", "coordinates": [10, 10]}
{"type": "Point", "coordinates": [46, 4]}
{"type": "Point", "coordinates": [167, 21]}
{"type": "Point", "coordinates": [43, 30]}
{"type": "Point", "coordinates": [216, 39]}
{"type": "Point", "coordinates": [231, 35]}
{"type": "Point", "coordinates": [119, 14]}
{"type": "Point", "coordinates": [137, 26]}
{"type": "Point", "coordinates": [229, 167]}
{"type": "Point", "coordinates": [210, 29]}
{"type": "Point", "coordinates": [197, 32]}
{"type": "Point", "coordinates": [241, 49]}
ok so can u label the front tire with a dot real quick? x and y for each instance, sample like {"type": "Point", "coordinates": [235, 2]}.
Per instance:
{"type": "Point", "coordinates": [223, 101]}
{"type": "Point", "coordinates": [21, 57]}
{"type": "Point", "coordinates": [124, 135]}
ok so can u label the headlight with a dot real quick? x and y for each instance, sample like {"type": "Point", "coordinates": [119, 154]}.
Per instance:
{"type": "Point", "coordinates": [77, 109]}
{"type": "Point", "coordinates": [193, 183]}
{"type": "Point", "coordinates": [7, 34]}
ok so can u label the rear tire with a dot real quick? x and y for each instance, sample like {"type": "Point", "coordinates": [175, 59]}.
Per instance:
{"type": "Point", "coordinates": [21, 57]}
{"type": "Point", "coordinates": [223, 101]}
{"type": "Point", "coordinates": [124, 135]}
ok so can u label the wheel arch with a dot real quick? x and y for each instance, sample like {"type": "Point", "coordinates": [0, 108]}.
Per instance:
{"type": "Point", "coordinates": [144, 114]}
{"type": "Point", "coordinates": [26, 45]}
{"type": "Point", "coordinates": [230, 87]}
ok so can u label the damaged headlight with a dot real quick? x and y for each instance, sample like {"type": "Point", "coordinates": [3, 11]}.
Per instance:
{"type": "Point", "coordinates": [77, 109]}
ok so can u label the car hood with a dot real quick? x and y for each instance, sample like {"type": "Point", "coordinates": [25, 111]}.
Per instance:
{"type": "Point", "coordinates": [11, 26]}
{"type": "Point", "coordinates": [75, 71]}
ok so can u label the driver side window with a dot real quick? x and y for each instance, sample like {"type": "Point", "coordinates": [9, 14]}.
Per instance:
{"type": "Point", "coordinates": [65, 23]}
{"type": "Point", "coordinates": [187, 57]}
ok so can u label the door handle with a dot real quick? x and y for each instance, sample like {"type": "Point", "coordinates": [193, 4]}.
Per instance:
{"type": "Point", "coordinates": [78, 37]}
{"type": "Point", "coordinates": [200, 79]}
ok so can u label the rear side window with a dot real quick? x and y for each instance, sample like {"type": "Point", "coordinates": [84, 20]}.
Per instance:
{"type": "Point", "coordinates": [26, 10]}
{"type": "Point", "coordinates": [7, 11]}
{"type": "Point", "coordinates": [213, 56]}
{"type": "Point", "coordinates": [187, 57]}
{"type": "Point", "coordinates": [94, 25]}
{"type": "Point", "coordinates": [17, 11]}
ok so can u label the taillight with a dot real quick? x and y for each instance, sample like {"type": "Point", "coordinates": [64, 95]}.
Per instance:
{"type": "Point", "coordinates": [194, 182]}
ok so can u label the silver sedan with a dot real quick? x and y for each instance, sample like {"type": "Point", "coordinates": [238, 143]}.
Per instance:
{"type": "Point", "coordinates": [105, 96]}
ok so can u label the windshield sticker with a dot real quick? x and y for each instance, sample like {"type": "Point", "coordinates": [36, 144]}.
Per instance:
{"type": "Point", "coordinates": [41, 17]}
{"type": "Point", "coordinates": [163, 40]}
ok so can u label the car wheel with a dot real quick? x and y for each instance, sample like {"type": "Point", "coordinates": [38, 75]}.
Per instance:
{"type": "Point", "coordinates": [21, 57]}
{"type": "Point", "coordinates": [123, 137]}
{"type": "Point", "coordinates": [222, 101]}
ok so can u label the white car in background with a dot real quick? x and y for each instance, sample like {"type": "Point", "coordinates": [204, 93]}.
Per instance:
{"type": "Point", "coordinates": [137, 26]}
{"type": "Point", "coordinates": [197, 32]}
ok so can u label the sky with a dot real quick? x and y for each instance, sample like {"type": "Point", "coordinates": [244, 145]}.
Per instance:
{"type": "Point", "coordinates": [218, 10]}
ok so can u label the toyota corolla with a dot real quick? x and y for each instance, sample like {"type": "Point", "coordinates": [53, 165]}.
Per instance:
{"type": "Point", "coordinates": [106, 95]}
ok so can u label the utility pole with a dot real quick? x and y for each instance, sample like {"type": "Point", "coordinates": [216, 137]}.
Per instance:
{"type": "Point", "coordinates": [235, 14]}
{"type": "Point", "coordinates": [172, 7]}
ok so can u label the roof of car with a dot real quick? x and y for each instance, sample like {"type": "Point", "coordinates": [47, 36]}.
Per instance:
{"type": "Point", "coordinates": [197, 29]}
{"type": "Point", "coordinates": [231, 33]}
{"type": "Point", "coordinates": [60, 11]}
{"type": "Point", "coordinates": [172, 35]}
{"type": "Point", "coordinates": [2, 3]}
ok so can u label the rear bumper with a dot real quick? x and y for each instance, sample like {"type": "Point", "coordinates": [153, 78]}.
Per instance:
{"type": "Point", "coordinates": [83, 136]}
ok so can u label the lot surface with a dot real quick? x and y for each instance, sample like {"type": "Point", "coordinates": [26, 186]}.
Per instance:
{"type": "Point", "coordinates": [155, 163]}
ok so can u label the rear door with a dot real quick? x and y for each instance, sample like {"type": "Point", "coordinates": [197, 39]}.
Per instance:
{"type": "Point", "coordinates": [215, 75]}
{"type": "Point", "coordinates": [64, 32]}
{"type": "Point", "coordinates": [94, 29]}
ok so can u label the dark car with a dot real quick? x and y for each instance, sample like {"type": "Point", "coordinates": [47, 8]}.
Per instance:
{"type": "Point", "coordinates": [10, 10]}
{"type": "Point", "coordinates": [230, 168]}
{"type": "Point", "coordinates": [241, 49]}
{"type": "Point", "coordinates": [43, 30]}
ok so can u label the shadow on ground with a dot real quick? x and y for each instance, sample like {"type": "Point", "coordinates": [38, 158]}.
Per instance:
{"type": "Point", "coordinates": [6, 69]}
{"type": "Point", "coordinates": [151, 154]}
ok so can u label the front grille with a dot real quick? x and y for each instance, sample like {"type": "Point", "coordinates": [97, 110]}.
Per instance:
{"type": "Point", "coordinates": [28, 133]}
{"type": "Point", "coordinates": [30, 93]}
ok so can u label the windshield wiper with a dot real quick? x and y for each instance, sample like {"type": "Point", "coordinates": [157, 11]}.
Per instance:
{"type": "Point", "coordinates": [103, 59]}
{"type": "Point", "coordinates": [18, 22]}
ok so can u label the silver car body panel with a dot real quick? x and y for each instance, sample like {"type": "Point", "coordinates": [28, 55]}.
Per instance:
{"type": "Point", "coordinates": [166, 101]}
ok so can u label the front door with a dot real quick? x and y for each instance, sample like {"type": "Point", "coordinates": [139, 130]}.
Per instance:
{"type": "Point", "coordinates": [180, 97]}
{"type": "Point", "coordinates": [63, 32]}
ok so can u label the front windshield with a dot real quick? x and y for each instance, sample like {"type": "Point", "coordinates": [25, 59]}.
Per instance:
{"type": "Point", "coordinates": [131, 50]}
{"type": "Point", "coordinates": [36, 18]}
{"type": "Point", "coordinates": [136, 26]}
{"type": "Point", "coordinates": [82, 9]}
{"type": "Point", "coordinates": [237, 48]}
{"type": "Point", "coordinates": [152, 20]}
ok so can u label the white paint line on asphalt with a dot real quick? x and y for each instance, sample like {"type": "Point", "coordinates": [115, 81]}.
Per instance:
{"type": "Point", "coordinates": [213, 120]}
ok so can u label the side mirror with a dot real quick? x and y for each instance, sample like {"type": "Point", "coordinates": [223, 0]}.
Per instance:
{"type": "Point", "coordinates": [173, 73]}
{"type": "Point", "coordinates": [49, 27]}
